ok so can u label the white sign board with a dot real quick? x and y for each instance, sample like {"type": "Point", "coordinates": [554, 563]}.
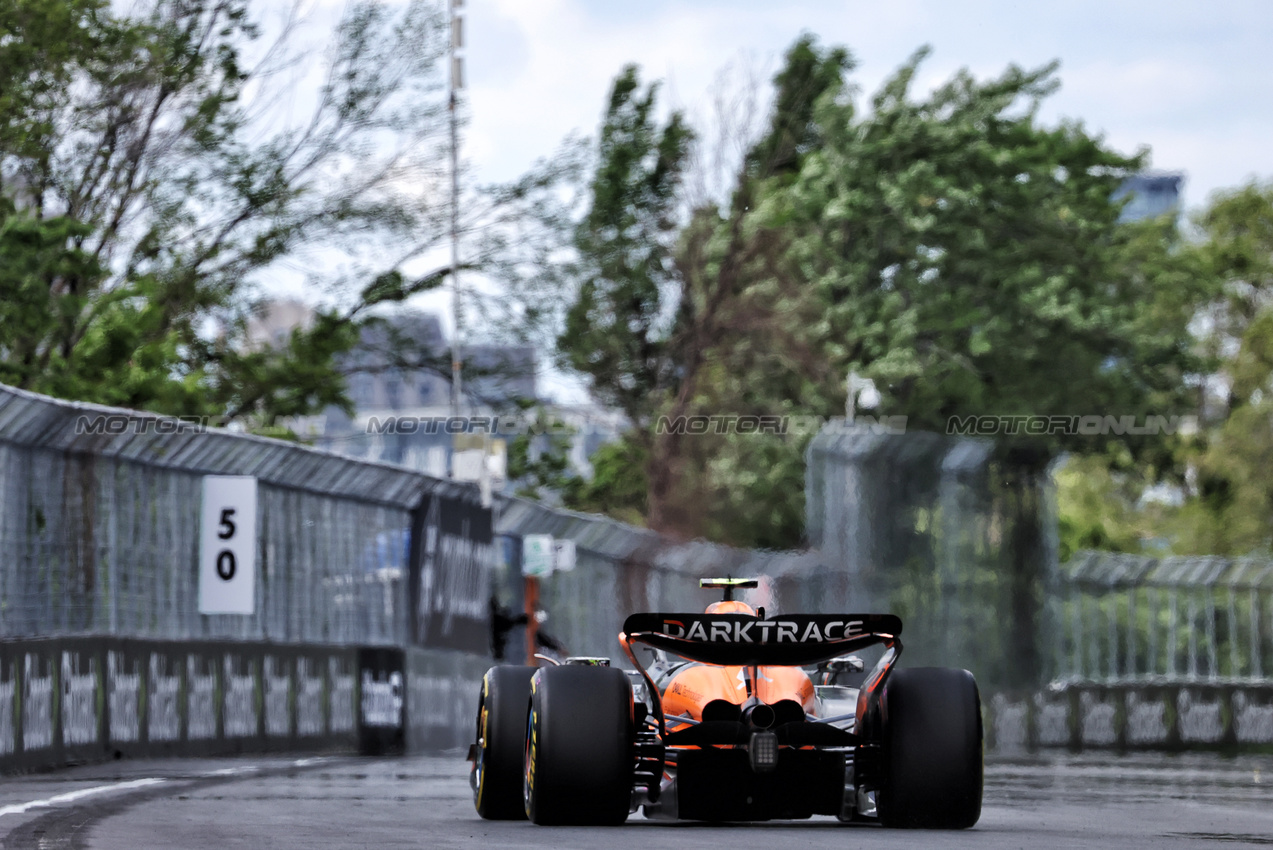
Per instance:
{"type": "Point", "coordinates": [537, 554]}
{"type": "Point", "coordinates": [227, 545]}
{"type": "Point", "coordinates": [466, 465]}
{"type": "Point", "coordinates": [563, 555]}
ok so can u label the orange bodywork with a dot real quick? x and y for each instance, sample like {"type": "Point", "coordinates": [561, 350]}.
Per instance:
{"type": "Point", "coordinates": [696, 686]}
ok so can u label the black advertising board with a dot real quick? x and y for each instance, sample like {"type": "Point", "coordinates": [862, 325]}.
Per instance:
{"type": "Point", "coordinates": [451, 556]}
{"type": "Point", "coordinates": [382, 700]}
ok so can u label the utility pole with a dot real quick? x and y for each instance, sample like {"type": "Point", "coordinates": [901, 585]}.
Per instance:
{"type": "Point", "coordinates": [457, 83]}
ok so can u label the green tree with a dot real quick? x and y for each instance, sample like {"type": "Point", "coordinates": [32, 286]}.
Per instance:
{"type": "Point", "coordinates": [1101, 505]}
{"type": "Point", "coordinates": [1231, 512]}
{"type": "Point", "coordinates": [662, 319]}
{"type": "Point", "coordinates": [1221, 278]}
{"type": "Point", "coordinates": [131, 138]}
{"type": "Point", "coordinates": [622, 283]}
{"type": "Point", "coordinates": [616, 330]}
{"type": "Point", "coordinates": [538, 459]}
{"type": "Point", "coordinates": [617, 487]}
{"type": "Point", "coordinates": [742, 341]}
{"type": "Point", "coordinates": [968, 259]}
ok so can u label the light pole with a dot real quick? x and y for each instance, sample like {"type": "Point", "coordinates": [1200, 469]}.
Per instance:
{"type": "Point", "coordinates": [457, 83]}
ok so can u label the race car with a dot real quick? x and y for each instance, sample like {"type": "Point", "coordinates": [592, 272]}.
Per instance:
{"type": "Point", "coordinates": [741, 716]}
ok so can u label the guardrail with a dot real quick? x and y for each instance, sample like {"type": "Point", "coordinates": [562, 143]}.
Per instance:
{"type": "Point", "coordinates": [1171, 716]}
{"type": "Point", "coordinates": [65, 700]}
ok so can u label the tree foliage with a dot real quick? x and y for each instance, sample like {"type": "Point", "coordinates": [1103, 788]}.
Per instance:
{"type": "Point", "coordinates": [950, 246]}
{"type": "Point", "coordinates": [616, 329]}
{"type": "Point", "coordinates": [969, 261]}
{"type": "Point", "coordinates": [742, 337]}
{"type": "Point", "coordinates": [1231, 509]}
{"type": "Point", "coordinates": [154, 186]}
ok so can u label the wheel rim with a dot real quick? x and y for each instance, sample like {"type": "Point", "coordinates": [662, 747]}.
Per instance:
{"type": "Point", "coordinates": [526, 763]}
{"type": "Point", "coordinates": [479, 762]}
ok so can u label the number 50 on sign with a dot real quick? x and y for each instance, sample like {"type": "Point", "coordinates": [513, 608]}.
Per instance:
{"type": "Point", "coordinates": [227, 545]}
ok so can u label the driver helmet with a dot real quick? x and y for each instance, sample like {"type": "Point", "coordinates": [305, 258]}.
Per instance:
{"type": "Point", "coordinates": [730, 606]}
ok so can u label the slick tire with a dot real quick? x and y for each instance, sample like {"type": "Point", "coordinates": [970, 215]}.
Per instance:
{"type": "Point", "coordinates": [501, 742]}
{"type": "Point", "coordinates": [933, 764]}
{"type": "Point", "coordinates": [579, 746]}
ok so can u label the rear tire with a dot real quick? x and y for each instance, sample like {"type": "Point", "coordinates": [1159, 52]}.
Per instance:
{"type": "Point", "coordinates": [933, 763]}
{"type": "Point", "coordinates": [579, 755]}
{"type": "Point", "coordinates": [501, 741]}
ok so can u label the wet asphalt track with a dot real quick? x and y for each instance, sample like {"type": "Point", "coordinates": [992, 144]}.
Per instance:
{"type": "Point", "coordinates": [1190, 801]}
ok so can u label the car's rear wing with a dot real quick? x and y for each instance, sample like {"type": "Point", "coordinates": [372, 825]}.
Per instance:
{"type": "Point", "coordinates": [744, 639]}
{"type": "Point", "coordinates": [785, 640]}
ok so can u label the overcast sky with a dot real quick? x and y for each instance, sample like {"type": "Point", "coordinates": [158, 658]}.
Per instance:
{"type": "Point", "coordinates": [1191, 80]}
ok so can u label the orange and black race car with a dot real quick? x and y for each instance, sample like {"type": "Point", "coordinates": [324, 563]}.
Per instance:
{"type": "Point", "coordinates": [740, 717]}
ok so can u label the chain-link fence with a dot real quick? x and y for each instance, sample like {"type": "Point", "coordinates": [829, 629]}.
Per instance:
{"type": "Point", "coordinates": [621, 569]}
{"type": "Point", "coordinates": [911, 524]}
{"type": "Point", "coordinates": [936, 530]}
{"type": "Point", "coordinates": [99, 530]}
{"type": "Point", "coordinates": [99, 536]}
{"type": "Point", "coordinates": [1132, 618]}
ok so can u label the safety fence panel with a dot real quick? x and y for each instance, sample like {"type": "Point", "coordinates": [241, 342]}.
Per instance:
{"type": "Point", "coordinates": [112, 547]}
{"type": "Point", "coordinates": [936, 530]}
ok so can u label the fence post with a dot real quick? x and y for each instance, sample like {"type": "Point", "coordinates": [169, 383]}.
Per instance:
{"type": "Point", "coordinates": [532, 623]}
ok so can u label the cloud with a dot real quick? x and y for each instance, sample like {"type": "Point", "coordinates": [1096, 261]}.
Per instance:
{"type": "Point", "coordinates": [1142, 90]}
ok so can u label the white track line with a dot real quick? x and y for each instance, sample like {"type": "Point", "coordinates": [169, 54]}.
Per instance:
{"type": "Point", "coordinates": [72, 796]}
{"type": "Point", "coordinates": [77, 795]}
{"type": "Point", "coordinates": [233, 771]}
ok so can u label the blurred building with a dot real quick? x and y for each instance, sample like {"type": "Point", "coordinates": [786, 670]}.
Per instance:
{"type": "Point", "coordinates": [399, 382]}
{"type": "Point", "coordinates": [1150, 196]}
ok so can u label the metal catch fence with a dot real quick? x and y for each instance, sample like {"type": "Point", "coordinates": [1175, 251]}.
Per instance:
{"type": "Point", "coordinates": [99, 527]}
{"type": "Point", "coordinates": [930, 528]}
{"type": "Point", "coordinates": [1132, 618]}
{"type": "Point", "coordinates": [99, 530]}
{"type": "Point", "coordinates": [622, 569]}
